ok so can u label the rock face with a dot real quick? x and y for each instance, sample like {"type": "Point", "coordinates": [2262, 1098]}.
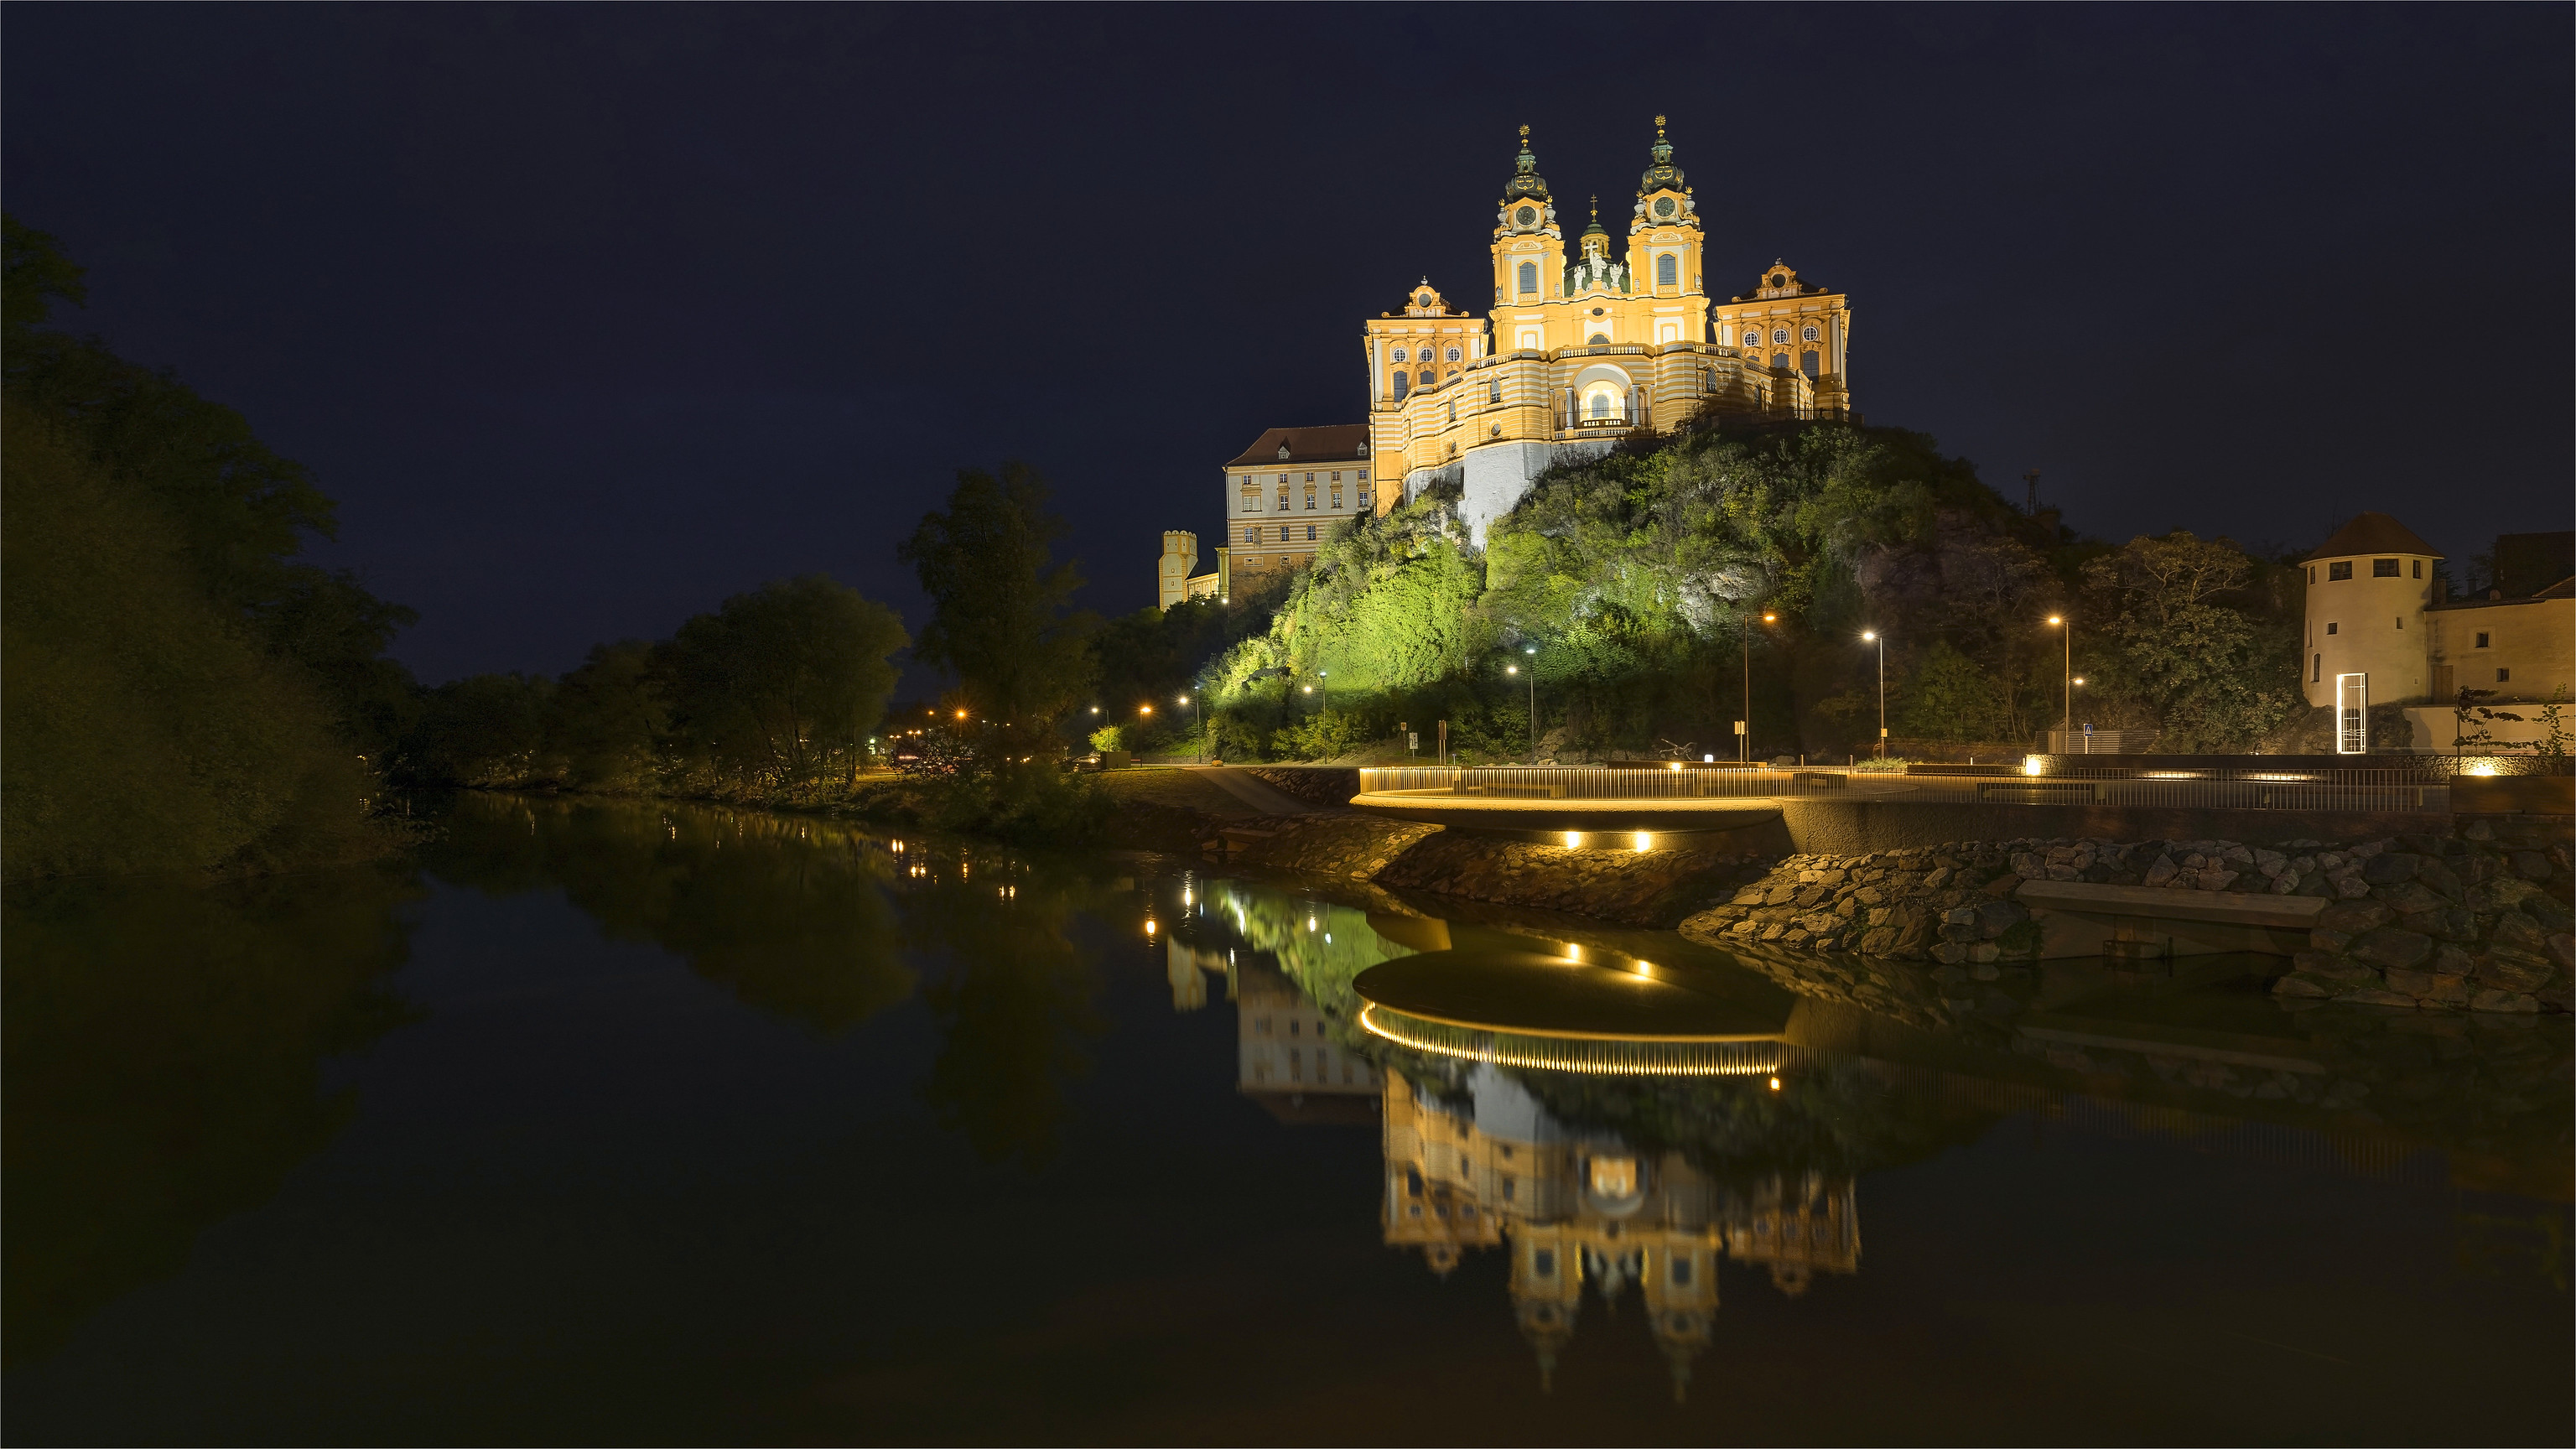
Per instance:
{"type": "Point", "coordinates": [2475, 920]}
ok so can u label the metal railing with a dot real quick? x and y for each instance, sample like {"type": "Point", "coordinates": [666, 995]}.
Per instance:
{"type": "Point", "coordinates": [2405, 789]}
{"type": "Point", "coordinates": [1557, 782]}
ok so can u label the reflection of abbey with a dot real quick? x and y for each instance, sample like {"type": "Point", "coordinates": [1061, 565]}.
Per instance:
{"type": "Point", "coordinates": [1577, 1209]}
{"type": "Point", "coordinates": [1586, 343]}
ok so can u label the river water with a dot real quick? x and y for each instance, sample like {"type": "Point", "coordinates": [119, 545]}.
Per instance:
{"type": "Point", "coordinates": [644, 1124]}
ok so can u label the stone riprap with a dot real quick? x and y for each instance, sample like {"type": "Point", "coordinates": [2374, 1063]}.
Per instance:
{"type": "Point", "coordinates": [2477, 919]}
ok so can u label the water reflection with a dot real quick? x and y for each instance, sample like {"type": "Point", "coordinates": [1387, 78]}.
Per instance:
{"type": "Point", "coordinates": [1576, 1207]}
{"type": "Point", "coordinates": [162, 1068]}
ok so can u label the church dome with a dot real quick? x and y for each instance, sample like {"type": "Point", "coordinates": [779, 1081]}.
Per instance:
{"type": "Point", "coordinates": [1526, 184]}
{"type": "Point", "coordinates": [1663, 175]}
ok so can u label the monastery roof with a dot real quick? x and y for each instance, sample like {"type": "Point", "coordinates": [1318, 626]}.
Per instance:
{"type": "Point", "coordinates": [2563, 589]}
{"type": "Point", "coordinates": [2373, 533]}
{"type": "Point", "coordinates": [1340, 442]}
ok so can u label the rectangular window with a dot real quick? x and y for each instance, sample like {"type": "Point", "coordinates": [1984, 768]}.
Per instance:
{"type": "Point", "coordinates": [1543, 1262]}
{"type": "Point", "coordinates": [2419, 568]}
{"type": "Point", "coordinates": [2504, 676]}
{"type": "Point", "coordinates": [2312, 573]}
{"type": "Point", "coordinates": [2316, 669]}
{"type": "Point", "coordinates": [2482, 641]}
{"type": "Point", "coordinates": [1337, 500]}
{"type": "Point", "coordinates": [2330, 628]}
{"type": "Point", "coordinates": [1681, 1272]}
{"type": "Point", "coordinates": [1310, 477]}
{"type": "Point", "coordinates": [1337, 477]}
{"type": "Point", "coordinates": [1310, 533]}
{"type": "Point", "coordinates": [1511, 1186]}
{"type": "Point", "coordinates": [2401, 623]}
{"type": "Point", "coordinates": [1364, 475]}
{"type": "Point", "coordinates": [2336, 571]}
{"type": "Point", "coordinates": [2383, 568]}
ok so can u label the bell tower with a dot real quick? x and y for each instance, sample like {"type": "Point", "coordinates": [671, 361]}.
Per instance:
{"type": "Point", "coordinates": [1666, 250]}
{"type": "Point", "coordinates": [1529, 256]}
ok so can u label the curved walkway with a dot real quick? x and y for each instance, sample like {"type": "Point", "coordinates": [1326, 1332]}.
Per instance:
{"type": "Point", "coordinates": [1256, 793]}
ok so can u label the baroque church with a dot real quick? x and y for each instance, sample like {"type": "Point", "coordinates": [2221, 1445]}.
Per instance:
{"type": "Point", "coordinates": [1590, 343]}
{"type": "Point", "coordinates": [1586, 344]}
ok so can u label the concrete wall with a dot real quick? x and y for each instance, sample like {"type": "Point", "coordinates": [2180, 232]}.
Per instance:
{"type": "Point", "coordinates": [1857, 827]}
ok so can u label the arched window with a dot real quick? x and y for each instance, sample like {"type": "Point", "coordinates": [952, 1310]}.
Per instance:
{"type": "Point", "coordinates": [1597, 339]}
{"type": "Point", "coordinates": [1808, 362]}
{"type": "Point", "coordinates": [1600, 404]}
{"type": "Point", "coordinates": [1426, 377]}
{"type": "Point", "coordinates": [1529, 277]}
{"type": "Point", "coordinates": [1780, 360]}
{"type": "Point", "coordinates": [1667, 273]}
{"type": "Point", "coordinates": [1403, 380]}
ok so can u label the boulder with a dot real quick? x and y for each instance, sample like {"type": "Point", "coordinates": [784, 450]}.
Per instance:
{"type": "Point", "coordinates": [2390, 867]}
{"type": "Point", "coordinates": [2376, 996]}
{"type": "Point", "coordinates": [2502, 1001]}
{"type": "Point", "coordinates": [2295, 984]}
{"type": "Point", "coordinates": [2389, 947]}
{"type": "Point", "coordinates": [2325, 940]}
{"type": "Point", "coordinates": [2161, 873]}
{"type": "Point", "coordinates": [2511, 973]}
{"type": "Point", "coordinates": [2531, 865]}
{"type": "Point", "coordinates": [2353, 917]}
{"type": "Point", "coordinates": [2437, 877]}
{"type": "Point", "coordinates": [1996, 917]}
{"type": "Point", "coordinates": [2405, 897]}
{"type": "Point", "coordinates": [2517, 932]}
{"type": "Point", "coordinates": [2351, 887]}
{"type": "Point", "coordinates": [2217, 880]}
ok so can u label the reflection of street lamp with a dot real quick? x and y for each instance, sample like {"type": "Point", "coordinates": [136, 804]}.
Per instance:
{"type": "Point", "coordinates": [2066, 631]}
{"type": "Point", "coordinates": [1744, 727]}
{"type": "Point", "coordinates": [1874, 637]}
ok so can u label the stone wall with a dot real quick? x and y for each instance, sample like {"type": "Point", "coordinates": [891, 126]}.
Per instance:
{"type": "Point", "coordinates": [2476, 919]}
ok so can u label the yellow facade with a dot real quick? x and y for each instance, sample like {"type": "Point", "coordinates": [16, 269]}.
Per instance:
{"type": "Point", "coordinates": [1576, 1210]}
{"type": "Point", "coordinates": [1586, 346]}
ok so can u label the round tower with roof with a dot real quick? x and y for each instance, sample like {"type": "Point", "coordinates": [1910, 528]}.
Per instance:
{"type": "Point", "coordinates": [2367, 588]}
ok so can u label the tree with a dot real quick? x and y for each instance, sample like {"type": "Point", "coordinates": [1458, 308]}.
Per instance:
{"type": "Point", "coordinates": [785, 680]}
{"type": "Point", "coordinates": [998, 620]}
{"type": "Point", "coordinates": [2183, 650]}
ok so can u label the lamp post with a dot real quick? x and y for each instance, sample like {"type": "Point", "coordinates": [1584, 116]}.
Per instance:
{"type": "Point", "coordinates": [2066, 633]}
{"type": "Point", "coordinates": [1874, 637]}
{"type": "Point", "coordinates": [1533, 701]}
{"type": "Point", "coordinates": [1744, 736]}
{"type": "Point", "coordinates": [1198, 723]}
{"type": "Point", "coordinates": [1324, 677]}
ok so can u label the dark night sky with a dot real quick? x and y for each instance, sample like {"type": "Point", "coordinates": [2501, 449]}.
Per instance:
{"type": "Point", "coordinates": [590, 315]}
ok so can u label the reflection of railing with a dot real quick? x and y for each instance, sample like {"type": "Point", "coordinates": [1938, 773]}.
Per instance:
{"type": "Point", "coordinates": [1596, 1055]}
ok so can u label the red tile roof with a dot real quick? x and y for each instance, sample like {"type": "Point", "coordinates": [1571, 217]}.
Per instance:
{"type": "Point", "coordinates": [1307, 447]}
{"type": "Point", "coordinates": [2373, 533]}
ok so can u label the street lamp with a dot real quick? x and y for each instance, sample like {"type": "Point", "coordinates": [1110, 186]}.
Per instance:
{"type": "Point", "coordinates": [2066, 632]}
{"type": "Point", "coordinates": [1533, 700]}
{"type": "Point", "coordinates": [1744, 727]}
{"type": "Point", "coordinates": [1198, 723]}
{"type": "Point", "coordinates": [1325, 677]}
{"type": "Point", "coordinates": [1874, 637]}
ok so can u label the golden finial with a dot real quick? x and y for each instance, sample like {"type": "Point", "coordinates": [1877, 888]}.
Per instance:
{"type": "Point", "coordinates": [1596, 208]}
{"type": "Point", "coordinates": [1659, 128]}
{"type": "Point", "coordinates": [1524, 135]}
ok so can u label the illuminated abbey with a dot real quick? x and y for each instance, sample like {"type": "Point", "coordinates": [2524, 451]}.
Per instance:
{"type": "Point", "coordinates": [1584, 347]}
{"type": "Point", "coordinates": [1585, 344]}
